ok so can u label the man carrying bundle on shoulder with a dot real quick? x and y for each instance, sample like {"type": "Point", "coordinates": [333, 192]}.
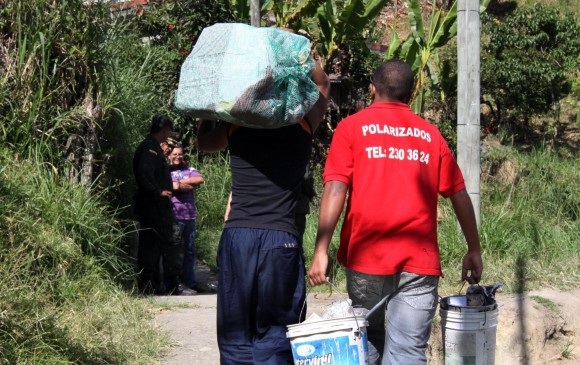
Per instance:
{"type": "Point", "coordinates": [261, 286]}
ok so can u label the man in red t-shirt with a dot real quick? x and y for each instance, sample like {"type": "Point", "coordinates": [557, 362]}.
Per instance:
{"type": "Point", "coordinates": [392, 164]}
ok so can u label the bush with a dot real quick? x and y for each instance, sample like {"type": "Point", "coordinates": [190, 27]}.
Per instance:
{"type": "Point", "coordinates": [529, 58]}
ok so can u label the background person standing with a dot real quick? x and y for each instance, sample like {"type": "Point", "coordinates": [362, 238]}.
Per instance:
{"type": "Point", "coordinates": [159, 233]}
{"type": "Point", "coordinates": [393, 165]}
{"type": "Point", "coordinates": [185, 180]}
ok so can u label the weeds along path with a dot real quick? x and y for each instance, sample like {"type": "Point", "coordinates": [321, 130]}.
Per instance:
{"type": "Point", "coordinates": [550, 322]}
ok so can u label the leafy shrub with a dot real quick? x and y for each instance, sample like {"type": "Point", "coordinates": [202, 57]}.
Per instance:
{"type": "Point", "coordinates": [528, 60]}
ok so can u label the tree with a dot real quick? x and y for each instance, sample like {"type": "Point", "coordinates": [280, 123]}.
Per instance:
{"type": "Point", "coordinates": [529, 57]}
{"type": "Point", "coordinates": [339, 26]}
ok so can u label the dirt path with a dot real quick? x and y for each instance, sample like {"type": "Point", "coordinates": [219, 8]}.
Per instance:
{"type": "Point", "coordinates": [190, 321]}
{"type": "Point", "coordinates": [550, 320]}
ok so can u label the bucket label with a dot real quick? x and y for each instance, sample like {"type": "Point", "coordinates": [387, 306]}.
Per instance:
{"type": "Point", "coordinates": [334, 350]}
{"type": "Point", "coordinates": [454, 359]}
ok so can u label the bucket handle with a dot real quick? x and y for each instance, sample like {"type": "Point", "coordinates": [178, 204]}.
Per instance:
{"type": "Point", "coordinates": [344, 297]}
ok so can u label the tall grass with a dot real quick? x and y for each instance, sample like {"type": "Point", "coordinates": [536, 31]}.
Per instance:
{"type": "Point", "coordinates": [530, 209]}
{"type": "Point", "coordinates": [60, 262]}
{"type": "Point", "coordinates": [211, 200]}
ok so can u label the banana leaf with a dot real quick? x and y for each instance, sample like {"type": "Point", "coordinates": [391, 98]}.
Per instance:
{"type": "Point", "coordinates": [304, 8]}
{"type": "Point", "coordinates": [416, 21]}
{"type": "Point", "coordinates": [393, 44]}
{"type": "Point", "coordinates": [411, 53]}
{"type": "Point", "coordinates": [356, 15]}
{"type": "Point", "coordinates": [447, 29]}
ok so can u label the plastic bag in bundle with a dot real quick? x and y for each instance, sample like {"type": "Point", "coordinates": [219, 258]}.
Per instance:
{"type": "Point", "coordinates": [341, 309]}
{"type": "Point", "coordinates": [254, 77]}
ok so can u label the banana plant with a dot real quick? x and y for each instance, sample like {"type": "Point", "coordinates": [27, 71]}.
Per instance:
{"type": "Point", "coordinates": [289, 13]}
{"type": "Point", "coordinates": [421, 49]}
{"type": "Point", "coordinates": [339, 25]}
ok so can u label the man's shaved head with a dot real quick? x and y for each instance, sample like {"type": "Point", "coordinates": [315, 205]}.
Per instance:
{"type": "Point", "coordinates": [393, 80]}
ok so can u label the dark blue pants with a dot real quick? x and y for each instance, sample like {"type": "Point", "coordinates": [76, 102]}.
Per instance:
{"type": "Point", "coordinates": [261, 290]}
{"type": "Point", "coordinates": [187, 229]}
{"type": "Point", "coordinates": [159, 237]}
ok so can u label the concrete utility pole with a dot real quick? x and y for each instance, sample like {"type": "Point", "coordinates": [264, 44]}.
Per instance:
{"type": "Point", "coordinates": [468, 91]}
{"type": "Point", "coordinates": [255, 12]}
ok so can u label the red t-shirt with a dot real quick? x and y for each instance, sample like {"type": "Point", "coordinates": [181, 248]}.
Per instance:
{"type": "Point", "coordinates": [395, 164]}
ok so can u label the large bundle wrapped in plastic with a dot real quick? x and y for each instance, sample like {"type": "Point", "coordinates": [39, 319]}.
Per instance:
{"type": "Point", "coordinates": [254, 77]}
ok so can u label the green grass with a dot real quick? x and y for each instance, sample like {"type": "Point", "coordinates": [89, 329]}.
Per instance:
{"type": "Point", "coordinates": [547, 303]}
{"type": "Point", "coordinates": [61, 298]}
{"type": "Point", "coordinates": [530, 231]}
{"type": "Point", "coordinates": [211, 200]}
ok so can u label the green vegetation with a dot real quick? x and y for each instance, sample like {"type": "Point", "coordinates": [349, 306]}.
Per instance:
{"type": "Point", "coordinates": [530, 230]}
{"type": "Point", "coordinates": [60, 263]}
{"type": "Point", "coordinates": [536, 46]}
{"type": "Point", "coordinates": [77, 90]}
{"type": "Point", "coordinates": [546, 303]}
{"type": "Point", "coordinates": [211, 200]}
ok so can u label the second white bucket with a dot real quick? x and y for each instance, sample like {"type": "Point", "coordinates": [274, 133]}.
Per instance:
{"type": "Point", "coordinates": [340, 341]}
{"type": "Point", "coordinates": [468, 333]}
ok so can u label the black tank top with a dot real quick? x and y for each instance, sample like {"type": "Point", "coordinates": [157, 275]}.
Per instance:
{"type": "Point", "coordinates": [267, 171]}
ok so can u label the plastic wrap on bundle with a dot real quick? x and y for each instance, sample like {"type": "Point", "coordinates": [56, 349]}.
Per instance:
{"type": "Point", "coordinates": [254, 77]}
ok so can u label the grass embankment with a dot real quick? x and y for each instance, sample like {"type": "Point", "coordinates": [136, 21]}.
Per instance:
{"type": "Point", "coordinates": [60, 269]}
{"type": "Point", "coordinates": [529, 232]}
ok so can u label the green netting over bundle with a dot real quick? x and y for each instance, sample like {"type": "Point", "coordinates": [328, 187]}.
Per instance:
{"type": "Point", "coordinates": [254, 77]}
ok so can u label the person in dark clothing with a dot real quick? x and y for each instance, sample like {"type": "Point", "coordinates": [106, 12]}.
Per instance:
{"type": "Point", "coordinates": [159, 235]}
{"type": "Point", "coordinates": [304, 197]}
{"type": "Point", "coordinates": [261, 287]}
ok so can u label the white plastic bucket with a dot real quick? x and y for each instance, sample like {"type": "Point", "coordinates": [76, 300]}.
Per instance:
{"type": "Point", "coordinates": [330, 342]}
{"type": "Point", "coordinates": [468, 332]}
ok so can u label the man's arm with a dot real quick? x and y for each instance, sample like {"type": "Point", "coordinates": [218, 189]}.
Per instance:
{"type": "Point", "coordinates": [472, 262]}
{"type": "Point", "coordinates": [212, 136]}
{"type": "Point", "coordinates": [228, 207]}
{"type": "Point", "coordinates": [316, 114]}
{"type": "Point", "coordinates": [333, 198]}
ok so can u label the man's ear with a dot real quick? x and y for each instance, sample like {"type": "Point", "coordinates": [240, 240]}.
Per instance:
{"type": "Point", "coordinates": [373, 92]}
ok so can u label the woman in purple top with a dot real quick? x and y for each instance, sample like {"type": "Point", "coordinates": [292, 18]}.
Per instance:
{"type": "Point", "coordinates": [185, 180]}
